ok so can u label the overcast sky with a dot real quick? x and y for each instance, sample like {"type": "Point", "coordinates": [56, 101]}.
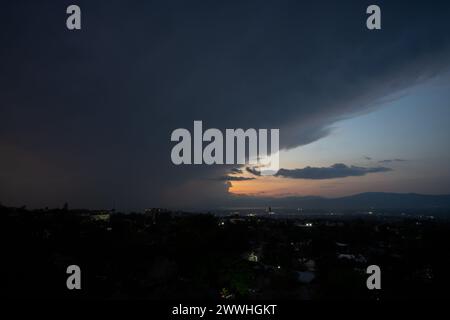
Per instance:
{"type": "Point", "coordinates": [86, 116]}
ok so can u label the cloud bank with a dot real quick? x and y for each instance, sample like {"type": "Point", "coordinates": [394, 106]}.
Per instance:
{"type": "Point", "coordinates": [338, 170]}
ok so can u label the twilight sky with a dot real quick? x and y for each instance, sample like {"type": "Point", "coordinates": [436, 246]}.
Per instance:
{"type": "Point", "coordinates": [86, 116]}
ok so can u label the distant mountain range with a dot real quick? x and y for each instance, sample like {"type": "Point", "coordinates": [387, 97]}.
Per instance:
{"type": "Point", "coordinates": [377, 200]}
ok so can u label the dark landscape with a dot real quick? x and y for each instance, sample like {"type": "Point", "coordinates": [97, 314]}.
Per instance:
{"type": "Point", "coordinates": [164, 255]}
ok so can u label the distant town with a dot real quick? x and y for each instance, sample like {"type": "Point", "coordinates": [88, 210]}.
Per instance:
{"type": "Point", "coordinates": [238, 254]}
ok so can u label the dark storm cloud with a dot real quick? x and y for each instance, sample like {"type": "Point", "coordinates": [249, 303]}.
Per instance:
{"type": "Point", "coordinates": [392, 160]}
{"type": "Point", "coordinates": [338, 170]}
{"type": "Point", "coordinates": [87, 115]}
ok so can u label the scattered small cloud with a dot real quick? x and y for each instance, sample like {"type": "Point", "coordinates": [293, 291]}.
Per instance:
{"type": "Point", "coordinates": [392, 160]}
{"type": "Point", "coordinates": [234, 178]}
{"type": "Point", "coordinates": [338, 170]}
{"type": "Point", "coordinates": [253, 170]}
{"type": "Point", "coordinates": [236, 170]}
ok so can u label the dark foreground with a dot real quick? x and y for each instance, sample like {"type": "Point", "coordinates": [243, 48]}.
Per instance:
{"type": "Point", "coordinates": [163, 255]}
